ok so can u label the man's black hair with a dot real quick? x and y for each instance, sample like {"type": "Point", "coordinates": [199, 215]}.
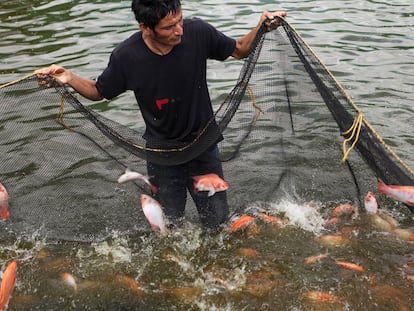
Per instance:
{"type": "Point", "coordinates": [150, 12]}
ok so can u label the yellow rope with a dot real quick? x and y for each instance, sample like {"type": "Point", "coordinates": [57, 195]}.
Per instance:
{"type": "Point", "coordinates": [355, 129]}
{"type": "Point", "coordinates": [17, 81]}
{"type": "Point", "coordinates": [254, 103]}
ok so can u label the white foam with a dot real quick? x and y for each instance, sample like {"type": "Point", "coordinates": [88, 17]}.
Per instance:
{"type": "Point", "coordinates": [305, 216]}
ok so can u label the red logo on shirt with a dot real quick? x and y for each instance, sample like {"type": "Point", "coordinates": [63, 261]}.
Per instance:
{"type": "Point", "coordinates": [160, 102]}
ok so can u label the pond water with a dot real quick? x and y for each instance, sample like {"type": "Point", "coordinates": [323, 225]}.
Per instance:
{"type": "Point", "coordinates": [367, 45]}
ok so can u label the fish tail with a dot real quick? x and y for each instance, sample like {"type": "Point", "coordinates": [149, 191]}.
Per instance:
{"type": "Point", "coordinates": [4, 210]}
{"type": "Point", "coordinates": [382, 188]}
{"type": "Point", "coordinates": [154, 189]}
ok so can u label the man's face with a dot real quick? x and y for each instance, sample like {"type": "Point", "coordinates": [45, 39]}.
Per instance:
{"type": "Point", "coordinates": [169, 30]}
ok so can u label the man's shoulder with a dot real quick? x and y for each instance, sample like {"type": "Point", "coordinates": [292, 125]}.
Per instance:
{"type": "Point", "coordinates": [195, 23]}
{"type": "Point", "coordinates": [132, 41]}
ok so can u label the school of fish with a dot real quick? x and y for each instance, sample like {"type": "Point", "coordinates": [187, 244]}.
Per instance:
{"type": "Point", "coordinates": [212, 183]}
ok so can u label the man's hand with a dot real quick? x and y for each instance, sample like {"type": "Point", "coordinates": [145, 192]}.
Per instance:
{"type": "Point", "coordinates": [50, 75]}
{"type": "Point", "coordinates": [270, 20]}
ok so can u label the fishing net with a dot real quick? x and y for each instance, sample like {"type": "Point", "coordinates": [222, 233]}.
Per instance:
{"type": "Point", "coordinates": [288, 127]}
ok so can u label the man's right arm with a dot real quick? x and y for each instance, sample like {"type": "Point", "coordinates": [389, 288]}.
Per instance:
{"type": "Point", "coordinates": [85, 87]}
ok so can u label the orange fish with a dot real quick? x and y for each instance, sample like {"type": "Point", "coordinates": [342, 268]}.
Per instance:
{"type": "Point", "coordinates": [318, 296]}
{"type": "Point", "coordinates": [349, 265]}
{"type": "Point", "coordinates": [7, 285]}
{"type": "Point", "coordinates": [241, 223]}
{"type": "Point", "coordinates": [333, 221]}
{"type": "Point", "coordinates": [405, 234]}
{"type": "Point", "coordinates": [4, 203]}
{"type": "Point", "coordinates": [403, 194]}
{"type": "Point", "coordinates": [343, 209]}
{"type": "Point", "coordinates": [129, 283]}
{"type": "Point", "coordinates": [272, 219]}
{"type": "Point", "coordinates": [209, 182]}
{"type": "Point", "coordinates": [247, 252]}
{"type": "Point", "coordinates": [312, 259]}
{"type": "Point", "coordinates": [332, 240]}
{"type": "Point", "coordinates": [69, 280]}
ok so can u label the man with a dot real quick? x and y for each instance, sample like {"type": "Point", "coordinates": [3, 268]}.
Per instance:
{"type": "Point", "coordinates": [165, 65]}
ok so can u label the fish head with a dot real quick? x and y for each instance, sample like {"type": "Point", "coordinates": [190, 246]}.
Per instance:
{"type": "Point", "coordinates": [222, 186]}
{"type": "Point", "coordinates": [370, 197]}
{"type": "Point", "coordinates": [3, 193]}
{"type": "Point", "coordinates": [144, 199]}
{"type": "Point", "coordinates": [370, 202]}
{"type": "Point", "coordinates": [202, 185]}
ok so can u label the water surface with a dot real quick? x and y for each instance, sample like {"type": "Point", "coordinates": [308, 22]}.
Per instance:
{"type": "Point", "coordinates": [367, 45]}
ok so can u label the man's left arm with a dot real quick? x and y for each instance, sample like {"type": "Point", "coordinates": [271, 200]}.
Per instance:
{"type": "Point", "coordinates": [244, 44]}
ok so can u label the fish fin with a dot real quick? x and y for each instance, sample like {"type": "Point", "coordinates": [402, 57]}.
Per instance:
{"type": "Point", "coordinates": [211, 192]}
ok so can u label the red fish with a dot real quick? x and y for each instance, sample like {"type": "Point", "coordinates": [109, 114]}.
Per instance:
{"type": "Point", "coordinates": [4, 203]}
{"type": "Point", "coordinates": [343, 209]}
{"type": "Point", "coordinates": [69, 280]}
{"type": "Point", "coordinates": [7, 285]}
{"type": "Point", "coordinates": [241, 223]}
{"type": "Point", "coordinates": [247, 252]}
{"type": "Point", "coordinates": [312, 259]}
{"type": "Point", "coordinates": [405, 234]}
{"type": "Point", "coordinates": [209, 182]}
{"type": "Point", "coordinates": [332, 240]}
{"type": "Point", "coordinates": [403, 194]}
{"type": "Point", "coordinates": [349, 265]}
{"type": "Point", "coordinates": [132, 176]}
{"type": "Point", "coordinates": [130, 283]}
{"type": "Point", "coordinates": [154, 214]}
{"type": "Point", "coordinates": [333, 221]}
{"type": "Point", "coordinates": [271, 219]}
{"type": "Point", "coordinates": [318, 296]}
{"type": "Point", "coordinates": [370, 203]}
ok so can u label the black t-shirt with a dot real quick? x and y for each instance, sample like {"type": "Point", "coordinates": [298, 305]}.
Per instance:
{"type": "Point", "coordinates": [171, 90]}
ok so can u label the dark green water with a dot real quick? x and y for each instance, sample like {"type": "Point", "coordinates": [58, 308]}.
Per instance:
{"type": "Point", "coordinates": [368, 47]}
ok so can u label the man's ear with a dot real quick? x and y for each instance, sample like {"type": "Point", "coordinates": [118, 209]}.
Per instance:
{"type": "Point", "coordinates": [143, 28]}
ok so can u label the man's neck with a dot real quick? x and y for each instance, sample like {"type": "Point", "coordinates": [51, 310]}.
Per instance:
{"type": "Point", "coordinates": [155, 47]}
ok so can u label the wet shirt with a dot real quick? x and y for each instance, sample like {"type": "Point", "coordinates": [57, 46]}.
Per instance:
{"type": "Point", "coordinates": [171, 90]}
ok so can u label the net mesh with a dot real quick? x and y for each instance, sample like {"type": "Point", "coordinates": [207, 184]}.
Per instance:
{"type": "Point", "coordinates": [283, 126]}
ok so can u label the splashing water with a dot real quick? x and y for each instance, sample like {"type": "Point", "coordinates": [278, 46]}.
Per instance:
{"type": "Point", "coordinates": [118, 250]}
{"type": "Point", "coordinates": [306, 216]}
